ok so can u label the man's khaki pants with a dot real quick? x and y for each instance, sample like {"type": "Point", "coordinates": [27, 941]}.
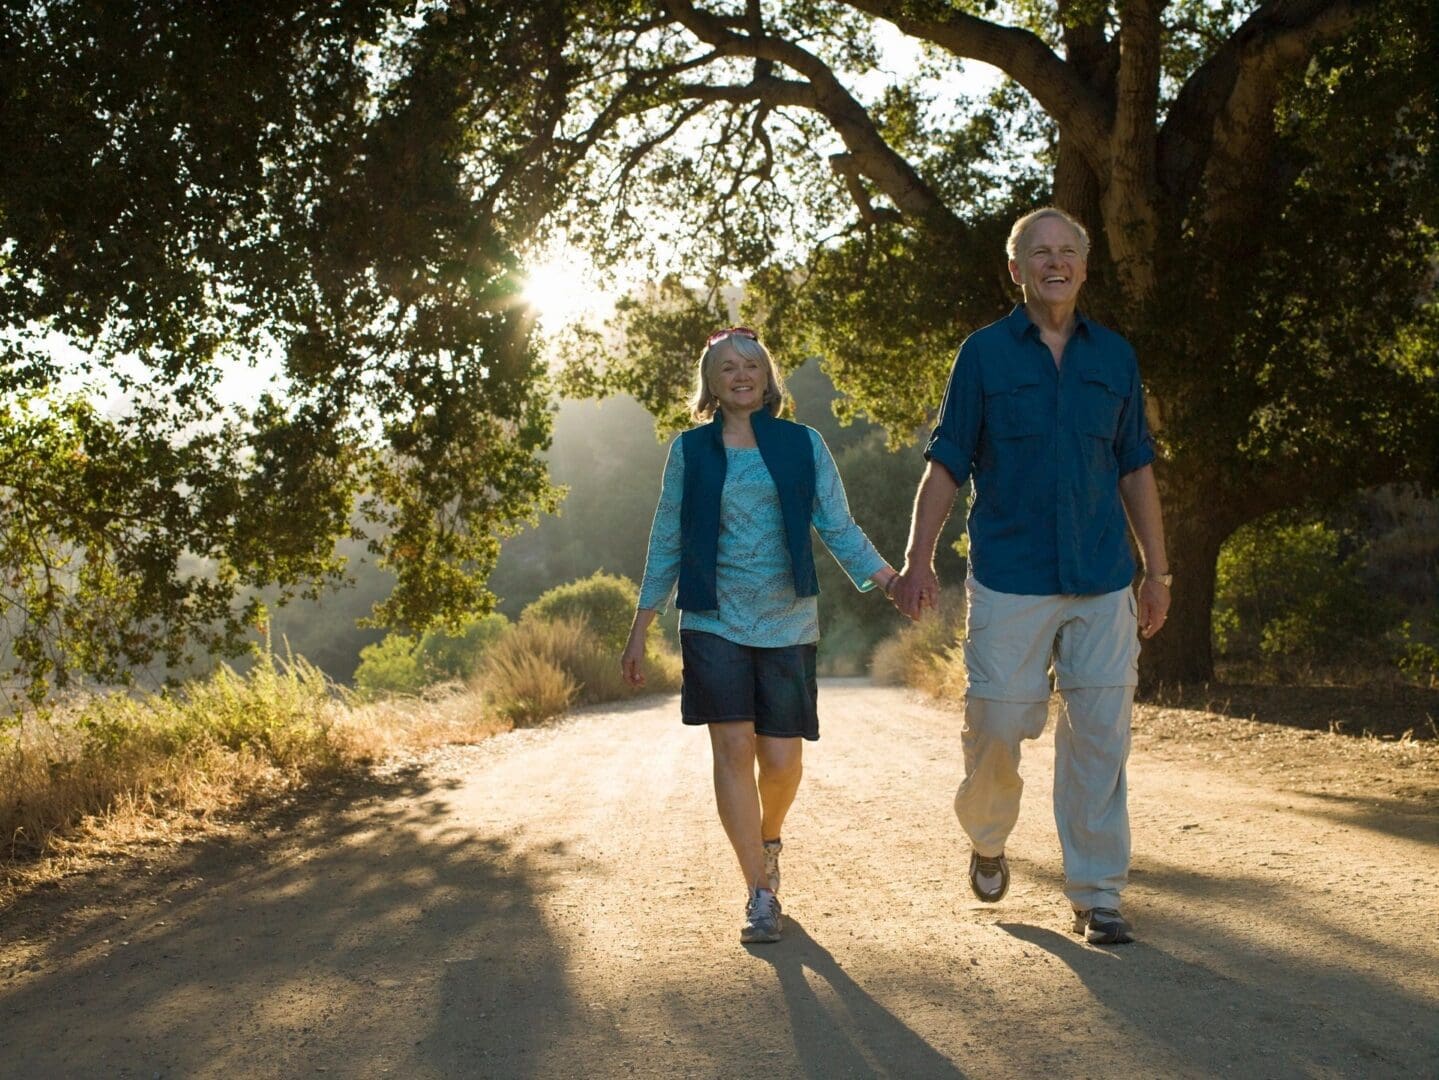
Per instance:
{"type": "Point", "coordinates": [1091, 644]}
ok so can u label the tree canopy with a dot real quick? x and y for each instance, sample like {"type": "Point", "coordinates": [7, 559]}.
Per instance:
{"type": "Point", "coordinates": [338, 191]}
{"type": "Point", "coordinates": [345, 190]}
{"type": "Point", "coordinates": [1259, 180]}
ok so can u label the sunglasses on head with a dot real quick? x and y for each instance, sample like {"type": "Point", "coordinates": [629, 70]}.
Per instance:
{"type": "Point", "coordinates": [736, 331]}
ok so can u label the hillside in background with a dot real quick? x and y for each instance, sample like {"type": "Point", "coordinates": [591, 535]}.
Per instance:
{"type": "Point", "coordinates": [606, 453]}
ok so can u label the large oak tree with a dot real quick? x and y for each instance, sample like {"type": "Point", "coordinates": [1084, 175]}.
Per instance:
{"type": "Point", "coordinates": [339, 191]}
{"type": "Point", "coordinates": [1259, 179]}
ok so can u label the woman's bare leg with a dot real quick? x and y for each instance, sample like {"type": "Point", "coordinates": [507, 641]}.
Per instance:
{"type": "Point", "coordinates": [781, 764]}
{"type": "Point", "coordinates": [737, 796]}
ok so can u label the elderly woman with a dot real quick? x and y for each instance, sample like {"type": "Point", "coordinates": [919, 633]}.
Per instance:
{"type": "Point", "coordinates": [740, 494]}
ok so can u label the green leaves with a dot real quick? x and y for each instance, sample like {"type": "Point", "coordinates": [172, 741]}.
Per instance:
{"type": "Point", "coordinates": [102, 548]}
{"type": "Point", "coordinates": [337, 193]}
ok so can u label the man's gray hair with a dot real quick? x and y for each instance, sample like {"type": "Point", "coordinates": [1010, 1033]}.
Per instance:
{"type": "Point", "coordinates": [1023, 225]}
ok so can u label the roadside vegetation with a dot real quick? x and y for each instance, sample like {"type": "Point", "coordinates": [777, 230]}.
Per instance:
{"type": "Point", "coordinates": [1343, 599]}
{"type": "Point", "coordinates": [97, 770]}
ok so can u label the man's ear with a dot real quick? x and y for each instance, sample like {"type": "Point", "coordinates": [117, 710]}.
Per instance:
{"type": "Point", "coordinates": [1014, 272]}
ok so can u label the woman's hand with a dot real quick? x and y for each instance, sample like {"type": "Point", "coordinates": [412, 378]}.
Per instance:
{"type": "Point", "coordinates": [632, 660]}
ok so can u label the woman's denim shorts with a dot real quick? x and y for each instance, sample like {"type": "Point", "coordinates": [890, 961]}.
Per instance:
{"type": "Point", "coordinates": [772, 688]}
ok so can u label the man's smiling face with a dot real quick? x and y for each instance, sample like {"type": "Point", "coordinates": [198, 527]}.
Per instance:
{"type": "Point", "coordinates": [1051, 265]}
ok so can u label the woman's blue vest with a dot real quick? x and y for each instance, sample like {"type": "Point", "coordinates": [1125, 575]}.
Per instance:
{"type": "Point", "coordinates": [789, 456]}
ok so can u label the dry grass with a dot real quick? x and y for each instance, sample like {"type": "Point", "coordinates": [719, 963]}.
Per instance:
{"type": "Point", "coordinates": [926, 655]}
{"type": "Point", "coordinates": [526, 688]}
{"type": "Point", "coordinates": [109, 770]}
{"type": "Point", "coordinates": [442, 715]}
{"type": "Point", "coordinates": [539, 669]}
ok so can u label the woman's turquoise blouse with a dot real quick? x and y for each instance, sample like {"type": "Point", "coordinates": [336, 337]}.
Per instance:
{"type": "Point", "coordinates": [753, 579]}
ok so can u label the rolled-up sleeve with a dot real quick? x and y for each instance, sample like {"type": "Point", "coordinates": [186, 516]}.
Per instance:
{"type": "Point", "coordinates": [1134, 447]}
{"type": "Point", "coordinates": [662, 560]}
{"type": "Point", "coordinates": [955, 439]}
{"type": "Point", "coordinates": [834, 523]}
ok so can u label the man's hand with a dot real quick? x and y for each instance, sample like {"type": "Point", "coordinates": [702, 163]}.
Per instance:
{"type": "Point", "coordinates": [917, 590]}
{"type": "Point", "coordinates": [1153, 607]}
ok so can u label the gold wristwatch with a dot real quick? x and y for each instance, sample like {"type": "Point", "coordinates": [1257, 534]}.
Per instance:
{"type": "Point", "coordinates": [1167, 580]}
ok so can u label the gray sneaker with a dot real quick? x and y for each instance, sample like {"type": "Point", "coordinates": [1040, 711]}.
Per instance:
{"type": "Point", "coordinates": [1103, 926]}
{"type": "Point", "coordinates": [772, 848]}
{"type": "Point", "coordinates": [988, 876]}
{"type": "Point", "coordinates": [761, 918]}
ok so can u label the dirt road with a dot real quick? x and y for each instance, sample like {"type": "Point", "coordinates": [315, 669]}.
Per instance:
{"type": "Point", "coordinates": [562, 902]}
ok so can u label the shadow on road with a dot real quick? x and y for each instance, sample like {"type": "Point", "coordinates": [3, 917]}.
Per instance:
{"type": "Point", "coordinates": [840, 1030]}
{"type": "Point", "coordinates": [1242, 995]}
{"type": "Point", "coordinates": [1393, 817]}
{"type": "Point", "coordinates": [366, 941]}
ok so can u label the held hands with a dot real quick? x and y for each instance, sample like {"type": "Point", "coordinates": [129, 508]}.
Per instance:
{"type": "Point", "coordinates": [1153, 607]}
{"type": "Point", "coordinates": [916, 591]}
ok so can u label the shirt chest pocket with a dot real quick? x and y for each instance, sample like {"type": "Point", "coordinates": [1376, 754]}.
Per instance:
{"type": "Point", "coordinates": [1014, 411]}
{"type": "Point", "coordinates": [1101, 401]}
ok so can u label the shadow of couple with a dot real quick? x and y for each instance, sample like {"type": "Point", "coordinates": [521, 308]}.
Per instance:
{"type": "Point", "coordinates": [838, 1028]}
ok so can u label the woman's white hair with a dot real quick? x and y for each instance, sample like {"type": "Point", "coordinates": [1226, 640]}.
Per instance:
{"type": "Point", "coordinates": [1029, 220]}
{"type": "Point", "coordinates": [704, 403]}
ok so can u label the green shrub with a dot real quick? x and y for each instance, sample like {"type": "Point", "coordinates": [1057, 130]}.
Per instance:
{"type": "Point", "coordinates": [397, 665]}
{"type": "Point", "coordinates": [604, 602]}
{"type": "Point", "coordinates": [1286, 589]}
{"type": "Point", "coordinates": [392, 666]}
{"type": "Point", "coordinates": [1416, 655]}
{"type": "Point", "coordinates": [443, 655]}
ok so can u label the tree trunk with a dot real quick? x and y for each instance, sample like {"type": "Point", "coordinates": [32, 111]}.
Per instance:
{"type": "Point", "coordinates": [1183, 652]}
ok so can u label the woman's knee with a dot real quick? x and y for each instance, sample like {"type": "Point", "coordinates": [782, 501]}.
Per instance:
{"type": "Point", "coordinates": [733, 744]}
{"type": "Point", "coordinates": [780, 758]}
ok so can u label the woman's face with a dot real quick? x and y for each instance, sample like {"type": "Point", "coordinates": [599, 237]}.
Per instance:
{"type": "Point", "coordinates": [737, 381]}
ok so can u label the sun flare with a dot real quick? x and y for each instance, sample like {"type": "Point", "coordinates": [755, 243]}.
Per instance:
{"type": "Point", "coordinates": [559, 289]}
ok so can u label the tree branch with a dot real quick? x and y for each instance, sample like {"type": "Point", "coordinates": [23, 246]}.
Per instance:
{"type": "Point", "coordinates": [843, 165]}
{"type": "Point", "coordinates": [1076, 106]}
{"type": "Point", "coordinates": [1229, 99]}
{"type": "Point", "coordinates": [822, 93]}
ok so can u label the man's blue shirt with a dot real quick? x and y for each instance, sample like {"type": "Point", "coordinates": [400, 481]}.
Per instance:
{"type": "Point", "coordinates": [1045, 447]}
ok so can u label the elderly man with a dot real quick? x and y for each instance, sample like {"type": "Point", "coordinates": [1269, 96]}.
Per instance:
{"type": "Point", "coordinates": [1044, 411]}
